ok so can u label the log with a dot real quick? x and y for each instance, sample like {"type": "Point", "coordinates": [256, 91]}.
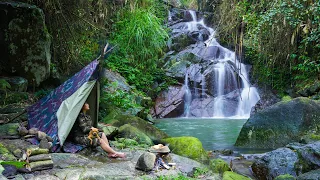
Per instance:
{"type": "Point", "coordinates": [40, 165]}
{"type": "Point", "coordinates": [9, 137]}
{"type": "Point", "coordinates": [40, 157]}
{"type": "Point", "coordinates": [29, 136]}
{"type": "Point", "coordinates": [36, 151]}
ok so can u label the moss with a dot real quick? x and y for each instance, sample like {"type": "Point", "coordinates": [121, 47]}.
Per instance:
{"type": "Point", "coordinates": [286, 98]}
{"type": "Point", "coordinates": [228, 175]}
{"type": "Point", "coordinates": [285, 177]}
{"type": "Point", "coordinates": [5, 154]}
{"type": "Point", "coordinates": [9, 129]}
{"type": "Point", "coordinates": [315, 137]}
{"type": "Point", "coordinates": [128, 131]}
{"type": "Point", "coordinates": [145, 127]}
{"type": "Point", "coordinates": [190, 147]}
{"type": "Point", "coordinates": [219, 166]}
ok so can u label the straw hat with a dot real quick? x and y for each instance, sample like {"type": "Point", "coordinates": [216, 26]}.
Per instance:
{"type": "Point", "coordinates": [160, 148]}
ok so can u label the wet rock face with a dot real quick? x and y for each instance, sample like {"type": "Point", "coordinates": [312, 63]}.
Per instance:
{"type": "Point", "coordinates": [169, 103]}
{"type": "Point", "coordinates": [24, 42]}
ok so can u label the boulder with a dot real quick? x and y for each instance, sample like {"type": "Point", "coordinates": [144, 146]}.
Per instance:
{"type": "Point", "coordinates": [24, 42]}
{"type": "Point", "coordinates": [218, 166]}
{"type": "Point", "coordinates": [278, 162]}
{"type": "Point", "coordinates": [229, 175]}
{"type": "Point", "coordinates": [142, 125]}
{"type": "Point", "coordinates": [190, 147]}
{"type": "Point", "coordinates": [280, 124]}
{"type": "Point", "coordinates": [128, 131]}
{"type": "Point", "coordinates": [309, 158]}
{"type": "Point", "coordinates": [114, 77]}
{"type": "Point", "coordinates": [170, 103]}
{"type": "Point", "coordinates": [312, 175]}
{"type": "Point", "coordinates": [146, 161]}
{"type": "Point", "coordinates": [10, 129]}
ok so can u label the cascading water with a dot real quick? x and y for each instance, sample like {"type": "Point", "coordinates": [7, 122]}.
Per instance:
{"type": "Point", "coordinates": [223, 80]}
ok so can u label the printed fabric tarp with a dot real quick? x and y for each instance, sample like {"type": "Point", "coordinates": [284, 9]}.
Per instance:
{"type": "Point", "coordinates": [43, 114]}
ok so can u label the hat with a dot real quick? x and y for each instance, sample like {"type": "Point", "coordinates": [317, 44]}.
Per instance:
{"type": "Point", "coordinates": [160, 148]}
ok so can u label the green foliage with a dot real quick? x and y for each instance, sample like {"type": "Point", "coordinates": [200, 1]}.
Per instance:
{"type": "Point", "coordinates": [116, 97]}
{"type": "Point", "coordinates": [200, 172]}
{"type": "Point", "coordinates": [4, 85]}
{"type": "Point", "coordinates": [17, 164]}
{"type": "Point", "coordinates": [173, 177]}
{"type": "Point", "coordinates": [281, 38]}
{"type": "Point", "coordinates": [140, 38]}
{"type": "Point", "coordinates": [285, 177]}
{"type": "Point", "coordinates": [42, 93]}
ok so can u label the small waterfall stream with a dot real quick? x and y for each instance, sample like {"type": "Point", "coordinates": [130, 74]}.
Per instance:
{"type": "Point", "coordinates": [223, 81]}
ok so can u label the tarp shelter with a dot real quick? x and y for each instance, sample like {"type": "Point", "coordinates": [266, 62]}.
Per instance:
{"type": "Point", "coordinates": [56, 113]}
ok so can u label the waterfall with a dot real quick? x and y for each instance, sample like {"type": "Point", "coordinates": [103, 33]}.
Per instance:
{"type": "Point", "coordinates": [187, 97]}
{"type": "Point", "coordinates": [226, 91]}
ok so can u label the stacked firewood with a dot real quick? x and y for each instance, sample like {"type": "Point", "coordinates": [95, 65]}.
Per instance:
{"type": "Point", "coordinates": [37, 159]}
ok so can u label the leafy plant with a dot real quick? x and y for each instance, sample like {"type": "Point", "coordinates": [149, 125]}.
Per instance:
{"type": "Point", "coordinates": [281, 38]}
{"type": "Point", "coordinates": [140, 38]}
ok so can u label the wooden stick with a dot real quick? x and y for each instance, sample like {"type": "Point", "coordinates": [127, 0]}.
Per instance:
{"type": "Point", "coordinates": [40, 157]}
{"type": "Point", "coordinates": [36, 151]}
{"type": "Point", "coordinates": [24, 111]}
{"type": "Point", "coordinates": [41, 165]}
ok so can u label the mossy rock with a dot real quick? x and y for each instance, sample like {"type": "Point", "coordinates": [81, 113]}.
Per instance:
{"type": "Point", "coordinates": [281, 124]}
{"type": "Point", "coordinates": [128, 131]}
{"type": "Point", "coordinates": [144, 126]}
{"type": "Point", "coordinates": [218, 166]}
{"type": "Point", "coordinates": [114, 112]}
{"type": "Point", "coordinates": [5, 154]}
{"type": "Point", "coordinates": [10, 129]}
{"type": "Point", "coordinates": [285, 177]}
{"type": "Point", "coordinates": [190, 147]}
{"type": "Point", "coordinates": [229, 175]}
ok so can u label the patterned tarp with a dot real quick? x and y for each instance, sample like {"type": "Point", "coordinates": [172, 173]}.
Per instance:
{"type": "Point", "coordinates": [42, 115]}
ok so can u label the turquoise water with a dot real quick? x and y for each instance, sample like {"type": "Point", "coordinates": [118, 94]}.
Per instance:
{"type": "Point", "coordinates": [213, 133]}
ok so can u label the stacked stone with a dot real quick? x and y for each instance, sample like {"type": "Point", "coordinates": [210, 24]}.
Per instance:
{"type": "Point", "coordinates": [44, 139]}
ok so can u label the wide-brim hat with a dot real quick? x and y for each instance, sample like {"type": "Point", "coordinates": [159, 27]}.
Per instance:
{"type": "Point", "coordinates": [159, 149]}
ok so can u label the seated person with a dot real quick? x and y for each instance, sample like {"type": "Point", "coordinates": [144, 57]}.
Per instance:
{"type": "Point", "coordinates": [80, 131]}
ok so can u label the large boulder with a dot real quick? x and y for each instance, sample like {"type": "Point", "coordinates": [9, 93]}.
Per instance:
{"type": "Point", "coordinates": [143, 126]}
{"type": "Point", "coordinates": [169, 103]}
{"type": "Point", "coordinates": [128, 131]}
{"type": "Point", "coordinates": [278, 162]}
{"type": "Point", "coordinates": [190, 147]}
{"type": "Point", "coordinates": [280, 124]}
{"type": "Point", "coordinates": [24, 42]}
